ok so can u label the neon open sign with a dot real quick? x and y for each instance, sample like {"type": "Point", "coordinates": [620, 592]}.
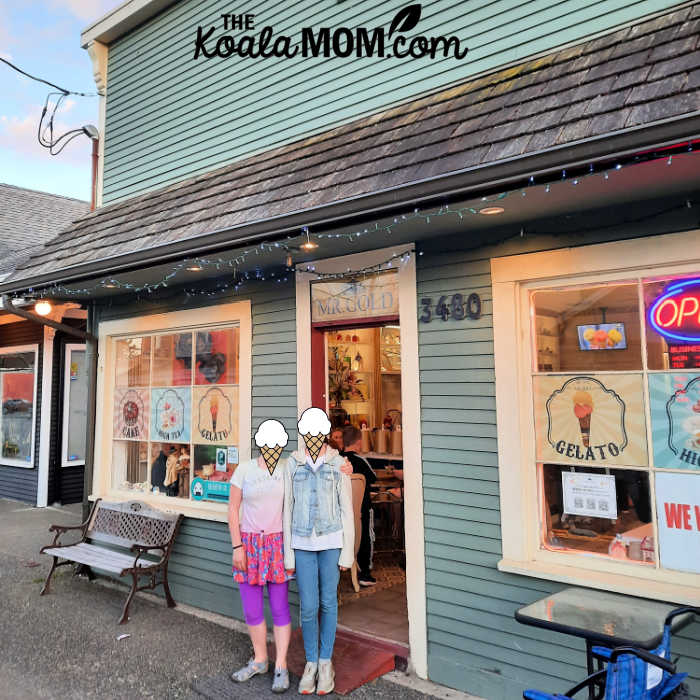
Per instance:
{"type": "Point", "coordinates": [676, 313]}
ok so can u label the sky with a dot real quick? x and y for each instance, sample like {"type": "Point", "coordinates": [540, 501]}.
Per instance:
{"type": "Point", "coordinates": [43, 38]}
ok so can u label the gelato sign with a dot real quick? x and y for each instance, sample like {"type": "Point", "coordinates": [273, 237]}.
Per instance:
{"type": "Point", "coordinates": [215, 415]}
{"type": "Point", "coordinates": [590, 420]}
{"type": "Point", "coordinates": [675, 420]}
{"type": "Point", "coordinates": [368, 298]}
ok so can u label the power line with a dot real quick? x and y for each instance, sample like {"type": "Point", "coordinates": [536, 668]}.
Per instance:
{"type": "Point", "coordinates": [46, 82]}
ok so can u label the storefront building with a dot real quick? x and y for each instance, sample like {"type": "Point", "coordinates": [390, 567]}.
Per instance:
{"type": "Point", "coordinates": [495, 282]}
{"type": "Point", "coordinates": [42, 371]}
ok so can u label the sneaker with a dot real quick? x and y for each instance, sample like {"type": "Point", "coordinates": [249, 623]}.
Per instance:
{"type": "Point", "coordinates": [249, 670]}
{"type": "Point", "coordinates": [326, 678]}
{"type": "Point", "coordinates": [367, 580]}
{"type": "Point", "coordinates": [280, 682]}
{"type": "Point", "coordinates": [307, 684]}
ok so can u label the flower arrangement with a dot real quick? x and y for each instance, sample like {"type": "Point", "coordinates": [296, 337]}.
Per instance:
{"type": "Point", "coordinates": [343, 384]}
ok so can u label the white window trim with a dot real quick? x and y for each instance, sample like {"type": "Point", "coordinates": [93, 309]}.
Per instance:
{"type": "Point", "coordinates": [65, 462]}
{"type": "Point", "coordinates": [109, 331]}
{"type": "Point", "coordinates": [512, 279]}
{"type": "Point", "coordinates": [8, 461]}
{"type": "Point", "coordinates": [410, 406]}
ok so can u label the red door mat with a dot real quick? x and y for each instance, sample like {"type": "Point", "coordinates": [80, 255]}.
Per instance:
{"type": "Point", "coordinates": [357, 658]}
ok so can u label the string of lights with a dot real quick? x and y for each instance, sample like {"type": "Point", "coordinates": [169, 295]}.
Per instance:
{"type": "Point", "coordinates": [233, 275]}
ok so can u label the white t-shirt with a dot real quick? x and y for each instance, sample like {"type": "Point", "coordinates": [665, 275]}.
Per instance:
{"type": "Point", "coordinates": [263, 497]}
{"type": "Point", "coordinates": [314, 542]}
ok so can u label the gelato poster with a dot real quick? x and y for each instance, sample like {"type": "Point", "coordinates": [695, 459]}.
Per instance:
{"type": "Point", "coordinates": [170, 414]}
{"type": "Point", "coordinates": [590, 419]}
{"type": "Point", "coordinates": [675, 419]}
{"type": "Point", "coordinates": [215, 415]}
{"type": "Point", "coordinates": [131, 414]}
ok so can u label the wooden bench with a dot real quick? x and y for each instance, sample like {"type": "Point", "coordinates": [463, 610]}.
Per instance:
{"type": "Point", "coordinates": [136, 529]}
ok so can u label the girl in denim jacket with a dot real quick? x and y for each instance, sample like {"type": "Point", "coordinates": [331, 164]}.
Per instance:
{"type": "Point", "coordinates": [319, 537]}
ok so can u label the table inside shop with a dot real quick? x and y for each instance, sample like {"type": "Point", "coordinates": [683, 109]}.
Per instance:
{"type": "Point", "coordinates": [602, 618]}
{"type": "Point", "coordinates": [384, 494]}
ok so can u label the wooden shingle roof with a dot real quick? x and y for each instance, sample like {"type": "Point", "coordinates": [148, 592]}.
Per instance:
{"type": "Point", "coordinates": [29, 219]}
{"type": "Point", "coordinates": [637, 76]}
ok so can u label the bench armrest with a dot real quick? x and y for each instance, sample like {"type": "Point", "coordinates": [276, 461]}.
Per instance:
{"type": "Point", "coordinates": [144, 549]}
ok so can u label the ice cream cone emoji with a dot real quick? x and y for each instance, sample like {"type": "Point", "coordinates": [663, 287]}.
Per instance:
{"type": "Point", "coordinates": [214, 409]}
{"type": "Point", "coordinates": [583, 408]}
{"type": "Point", "coordinates": [314, 427]}
{"type": "Point", "coordinates": [271, 438]}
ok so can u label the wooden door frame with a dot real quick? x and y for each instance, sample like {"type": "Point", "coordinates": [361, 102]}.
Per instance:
{"type": "Point", "coordinates": [307, 337]}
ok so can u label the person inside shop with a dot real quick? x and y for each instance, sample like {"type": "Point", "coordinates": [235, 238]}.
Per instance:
{"type": "Point", "coordinates": [352, 439]}
{"type": "Point", "coordinates": [335, 439]}
{"type": "Point", "coordinates": [319, 537]}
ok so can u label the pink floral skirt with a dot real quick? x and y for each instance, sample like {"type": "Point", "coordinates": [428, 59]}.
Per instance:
{"type": "Point", "coordinates": [265, 559]}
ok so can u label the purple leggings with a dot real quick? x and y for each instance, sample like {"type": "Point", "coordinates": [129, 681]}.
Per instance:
{"type": "Point", "coordinates": [253, 603]}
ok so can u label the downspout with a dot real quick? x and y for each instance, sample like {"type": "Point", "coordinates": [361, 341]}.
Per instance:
{"type": "Point", "coordinates": [95, 161]}
{"type": "Point", "coordinates": [91, 362]}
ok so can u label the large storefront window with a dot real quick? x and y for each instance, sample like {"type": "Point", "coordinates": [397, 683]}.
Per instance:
{"type": "Point", "coordinates": [17, 418]}
{"type": "Point", "coordinates": [616, 407]}
{"type": "Point", "coordinates": [176, 412]}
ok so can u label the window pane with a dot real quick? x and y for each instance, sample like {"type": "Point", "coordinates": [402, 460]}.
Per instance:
{"type": "Point", "coordinates": [133, 361]}
{"type": "Point", "coordinates": [213, 468]}
{"type": "Point", "coordinates": [678, 520]}
{"type": "Point", "coordinates": [171, 414]}
{"type": "Point", "coordinates": [76, 405]}
{"type": "Point", "coordinates": [17, 377]}
{"type": "Point", "coordinates": [215, 415]}
{"type": "Point", "coordinates": [675, 419]}
{"type": "Point", "coordinates": [586, 329]}
{"type": "Point", "coordinates": [672, 323]}
{"type": "Point", "coordinates": [130, 465]}
{"type": "Point", "coordinates": [590, 419]}
{"type": "Point", "coordinates": [217, 356]}
{"type": "Point", "coordinates": [170, 469]}
{"type": "Point", "coordinates": [591, 510]}
{"type": "Point", "coordinates": [172, 360]}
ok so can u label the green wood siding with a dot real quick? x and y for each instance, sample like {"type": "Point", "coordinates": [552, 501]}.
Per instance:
{"type": "Point", "coordinates": [200, 565]}
{"type": "Point", "coordinates": [474, 643]}
{"type": "Point", "coordinates": [170, 117]}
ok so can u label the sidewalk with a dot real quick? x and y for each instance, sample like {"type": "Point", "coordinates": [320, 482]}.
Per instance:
{"type": "Point", "coordinates": [65, 645]}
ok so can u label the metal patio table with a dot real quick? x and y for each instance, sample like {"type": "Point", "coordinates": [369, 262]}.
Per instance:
{"type": "Point", "coordinates": [602, 618]}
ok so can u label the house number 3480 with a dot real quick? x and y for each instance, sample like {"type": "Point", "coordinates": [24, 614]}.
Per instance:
{"type": "Point", "coordinates": [455, 306]}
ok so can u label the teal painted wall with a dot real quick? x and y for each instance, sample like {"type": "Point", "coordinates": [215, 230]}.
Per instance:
{"type": "Point", "coordinates": [200, 564]}
{"type": "Point", "coordinates": [170, 117]}
{"type": "Point", "coordinates": [474, 643]}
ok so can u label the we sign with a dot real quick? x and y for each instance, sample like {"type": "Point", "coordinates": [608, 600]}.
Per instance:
{"type": "Point", "coordinates": [678, 509]}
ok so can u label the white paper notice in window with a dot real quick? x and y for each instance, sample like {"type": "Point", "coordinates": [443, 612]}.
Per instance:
{"type": "Point", "coordinates": [592, 495]}
{"type": "Point", "coordinates": [588, 419]}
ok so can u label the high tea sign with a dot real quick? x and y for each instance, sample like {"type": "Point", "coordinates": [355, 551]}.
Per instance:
{"type": "Point", "coordinates": [373, 297]}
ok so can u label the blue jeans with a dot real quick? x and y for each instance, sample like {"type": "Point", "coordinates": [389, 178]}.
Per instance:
{"type": "Point", "coordinates": [317, 580]}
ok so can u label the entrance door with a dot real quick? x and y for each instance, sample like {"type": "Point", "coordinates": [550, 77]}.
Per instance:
{"type": "Point", "coordinates": [360, 367]}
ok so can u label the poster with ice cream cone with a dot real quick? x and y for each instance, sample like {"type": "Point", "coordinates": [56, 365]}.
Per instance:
{"type": "Point", "coordinates": [592, 419]}
{"type": "Point", "coordinates": [675, 419]}
{"type": "Point", "coordinates": [216, 415]}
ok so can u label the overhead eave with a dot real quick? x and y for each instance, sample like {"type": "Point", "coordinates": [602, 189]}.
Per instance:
{"type": "Point", "coordinates": [500, 174]}
{"type": "Point", "coordinates": [120, 20]}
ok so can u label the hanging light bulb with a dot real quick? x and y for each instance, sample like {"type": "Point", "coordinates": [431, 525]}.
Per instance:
{"type": "Point", "coordinates": [309, 244]}
{"type": "Point", "coordinates": [288, 261]}
{"type": "Point", "coordinates": [43, 307]}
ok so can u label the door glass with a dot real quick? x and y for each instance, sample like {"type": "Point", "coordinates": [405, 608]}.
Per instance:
{"type": "Point", "coordinates": [76, 406]}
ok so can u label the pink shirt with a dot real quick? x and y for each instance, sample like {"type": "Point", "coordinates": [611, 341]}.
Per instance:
{"type": "Point", "coordinates": [263, 496]}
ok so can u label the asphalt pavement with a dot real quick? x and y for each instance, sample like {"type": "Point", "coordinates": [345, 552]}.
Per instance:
{"type": "Point", "coordinates": [67, 644]}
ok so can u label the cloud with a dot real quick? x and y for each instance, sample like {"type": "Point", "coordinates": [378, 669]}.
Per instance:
{"type": "Point", "coordinates": [86, 10]}
{"type": "Point", "coordinates": [19, 134]}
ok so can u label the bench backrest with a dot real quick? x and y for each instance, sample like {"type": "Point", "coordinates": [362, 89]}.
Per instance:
{"type": "Point", "coordinates": [131, 522]}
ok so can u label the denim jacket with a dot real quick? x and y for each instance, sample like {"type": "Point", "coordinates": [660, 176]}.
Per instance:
{"type": "Point", "coordinates": [317, 500]}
